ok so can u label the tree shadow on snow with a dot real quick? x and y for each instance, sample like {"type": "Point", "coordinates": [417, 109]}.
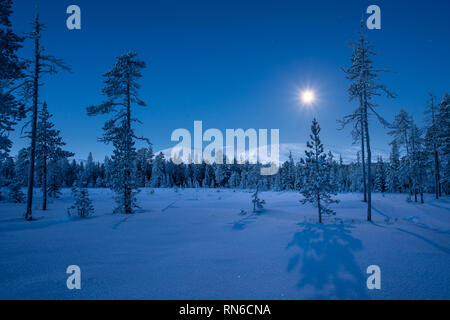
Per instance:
{"type": "Point", "coordinates": [242, 223]}
{"type": "Point", "coordinates": [327, 267]}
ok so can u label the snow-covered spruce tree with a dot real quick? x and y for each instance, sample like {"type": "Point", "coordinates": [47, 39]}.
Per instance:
{"type": "Point", "coordinates": [432, 139]}
{"type": "Point", "coordinates": [418, 161]}
{"type": "Point", "coordinates": [82, 205]}
{"type": "Point", "coordinates": [199, 174]}
{"type": "Point", "coordinates": [364, 87]}
{"type": "Point", "coordinates": [21, 166]}
{"type": "Point", "coordinates": [108, 171]}
{"type": "Point", "coordinates": [6, 172]}
{"type": "Point", "coordinates": [11, 74]}
{"type": "Point", "coordinates": [144, 165]}
{"type": "Point", "coordinates": [380, 176]}
{"type": "Point", "coordinates": [318, 188]}
{"type": "Point", "coordinates": [15, 193]}
{"type": "Point", "coordinates": [10, 180]}
{"type": "Point", "coordinates": [38, 66]}
{"type": "Point", "coordinates": [121, 91]}
{"type": "Point", "coordinates": [443, 120]}
{"type": "Point", "coordinates": [289, 166]}
{"type": "Point", "coordinates": [393, 171]}
{"type": "Point", "coordinates": [254, 178]}
{"type": "Point", "coordinates": [48, 149]}
{"type": "Point", "coordinates": [89, 171]}
{"type": "Point", "coordinates": [299, 175]}
{"type": "Point", "coordinates": [234, 180]}
{"type": "Point", "coordinates": [400, 129]}
{"type": "Point", "coordinates": [158, 172]}
{"type": "Point", "coordinates": [355, 175]}
{"type": "Point", "coordinates": [258, 204]}
{"type": "Point", "coordinates": [343, 176]}
{"type": "Point", "coordinates": [55, 179]}
{"type": "Point", "coordinates": [333, 169]}
{"type": "Point", "coordinates": [221, 174]}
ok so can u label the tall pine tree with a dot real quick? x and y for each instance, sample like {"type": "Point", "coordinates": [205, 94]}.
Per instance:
{"type": "Point", "coordinates": [400, 130]}
{"type": "Point", "coordinates": [365, 86]}
{"type": "Point", "coordinates": [432, 140]}
{"type": "Point", "coordinates": [39, 65]}
{"type": "Point", "coordinates": [443, 120]}
{"type": "Point", "coordinates": [48, 149]}
{"type": "Point", "coordinates": [122, 91]}
{"type": "Point", "coordinates": [11, 72]}
{"type": "Point", "coordinates": [318, 188]}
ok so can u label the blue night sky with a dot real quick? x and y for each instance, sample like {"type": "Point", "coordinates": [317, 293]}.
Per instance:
{"type": "Point", "coordinates": [236, 64]}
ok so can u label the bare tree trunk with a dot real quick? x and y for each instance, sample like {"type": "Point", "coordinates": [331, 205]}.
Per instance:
{"type": "Point", "coordinates": [320, 209]}
{"type": "Point", "coordinates": [127, 191]}
{"type": "Point", "coordinates": [363, 157]}
{"type": "Point", "coordinates": [369, 165]}
{"type": "Point", "coordinates": [28, 215]}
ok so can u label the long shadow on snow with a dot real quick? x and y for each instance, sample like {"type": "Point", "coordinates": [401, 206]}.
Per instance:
{"type": "Point", "coordinates": [41, 223]}
{"type": "Point", "coordinates": [326, 262]}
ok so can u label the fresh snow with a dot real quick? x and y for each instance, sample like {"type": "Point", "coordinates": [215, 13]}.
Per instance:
{"type": "Point", "coordinates": [195, 244]}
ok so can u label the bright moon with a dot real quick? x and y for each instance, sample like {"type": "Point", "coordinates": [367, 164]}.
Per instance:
{"type": "Point", "coordinates": [307, 97]}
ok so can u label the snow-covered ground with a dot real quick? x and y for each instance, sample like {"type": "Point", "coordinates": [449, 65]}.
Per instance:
{"type": "Point", "coordinates": [194, 244]}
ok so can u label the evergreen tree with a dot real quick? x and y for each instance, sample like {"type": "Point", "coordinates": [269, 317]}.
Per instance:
{"type": "Point", "coordinates": [40, 65]}
{"type": "Point", "coordinates": [393, 181]}
{"type": "Point", "coordinates": [318, 188]}
{"type": "Point", "coordinates": [48, 148]}
{"type": "Point", "coordinates": [121, 90]}
{"type": "Point", "coordinates": [290, 173]}
{"type": "Point", "coordinates": [21, 166]}
{"type": "Point", "coordinates": [432, 140]}
{"type": "Point", "coordinates": [418, 161]}
{"type": "Point", "coordinates": [380, 176]}
{"type": "Point", "coordinates": [15, 193]}
{"type": "Point", "coordinates": [400, 130]}
{"type": "Point", "coordinates": [356, 175]}
{"type": "Point", "coordinates": [89, 172]}
{"type": "Point", "coordinates": [234, 180]}
{"type": "Point", "coordinates": [108, 171]}
{"type": "Point", "coordinates": [158, 172]}
{"type": "Point", "coordinates": [258, 204]}
{"type": "Point", "coordinates": [82, 203]}
{"type": "Point", "coordinates": [144, 160]}
{"type": "Point", "coordinates": [365, 87]}
{"type": "Point", "coordinates": [443, 122]}
{"type": "Point", "coordinates": [11, 74]}
{"type": "Point", "coordinates": [6, 173]}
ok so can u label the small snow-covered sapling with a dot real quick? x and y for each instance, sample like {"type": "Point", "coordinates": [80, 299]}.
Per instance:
{"type": "Point", "coordinates": [15, 193]}
{"type": "Point", "coordinates": [257, 202]}
{"type": "Point", "coordinates": [82, 205]}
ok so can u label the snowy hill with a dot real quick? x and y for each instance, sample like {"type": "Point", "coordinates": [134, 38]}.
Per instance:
{"type": "Point", "coordinates": [298, 151]}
